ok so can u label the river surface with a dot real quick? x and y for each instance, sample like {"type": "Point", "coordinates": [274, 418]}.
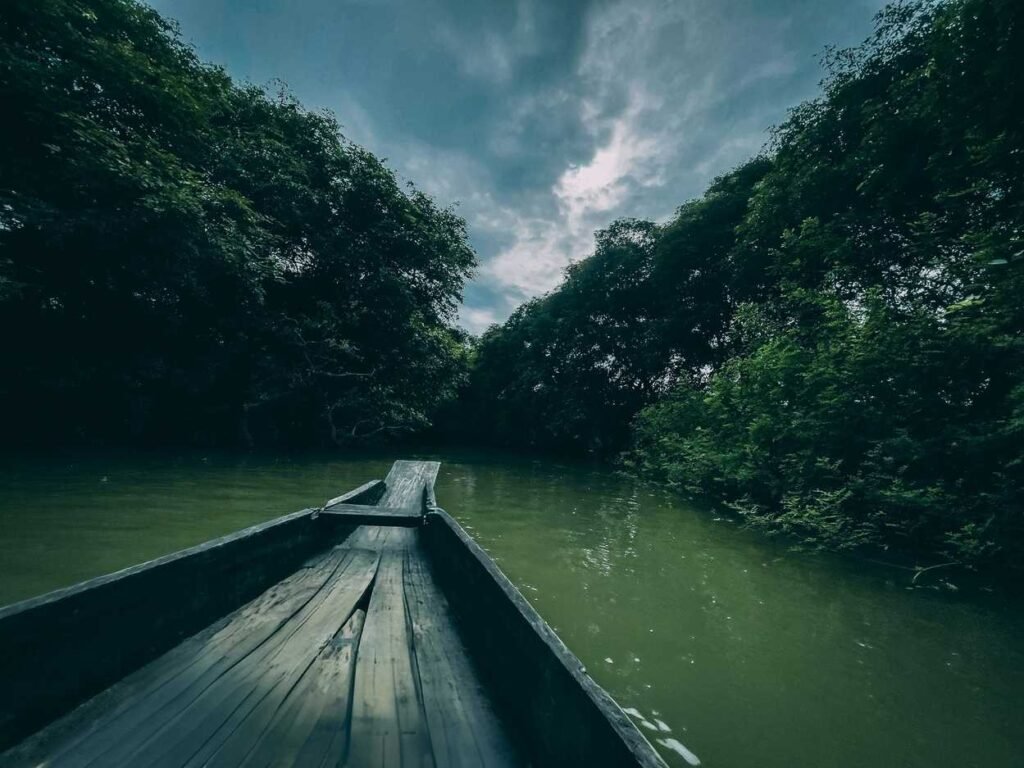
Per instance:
{"type": "Point", "coordinates": [725, 647]}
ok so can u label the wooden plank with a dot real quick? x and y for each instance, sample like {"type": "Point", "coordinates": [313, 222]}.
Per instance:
{"type": "Point", "coordinates": [389, 728]}
{"type": "Point", "coordinates": [465, 731]}
{"type": "Point", "coordinates": [310, 728]}
{"type": "Point", "coordinates": [242, 702]}
{"type": "Point", "coordinates": [405, 483]}
{"type": "Point", "coordinates": [381, 538]}
{"type": "Point", "coordinates": [60, 649]}
{"type": "Point", "coordinates": [186, 719]}
{"type": "Point", "coordinates": [368, 493]}
{"type": "Point", "coordinates": [176, 677]}
{"type": "Point", "coordinates": [359, 514]}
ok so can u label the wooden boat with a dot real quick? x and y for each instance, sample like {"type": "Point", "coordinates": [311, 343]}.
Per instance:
{"type": "Point", "coordinates": [372, 631]}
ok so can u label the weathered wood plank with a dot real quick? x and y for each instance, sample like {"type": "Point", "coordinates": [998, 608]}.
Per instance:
{"type": "Point", "coordinates": [62, 648]}
{"type": "Point", "coordinates": [405, 483]}
{"type": "Point", "coordinates": [184, 713]}
{"type": "Point", "coordinates": [175, 678]}
{"type": "Point", "coordinates": [359, 514]}
{"type": "Point", "coordinates": [381, 538]}
{"type": "Point", "coordinates": [465, 731]}
{"type": "Point", "coordinates": [368, 493]}
{"type": "Point", "coordinates": [310, 727]}
{"type": "Point", "coordinates": [389, 728]}
{"type": "Point", "coordinates": [242, 702]}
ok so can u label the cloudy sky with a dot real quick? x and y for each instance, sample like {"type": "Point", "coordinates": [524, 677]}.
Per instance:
{"type": "Point", "coordinates": [543, 119]}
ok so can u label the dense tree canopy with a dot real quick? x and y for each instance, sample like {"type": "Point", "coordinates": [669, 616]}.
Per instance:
{"type": "Point", "coordinates": [830, 339]}
{"type": "Point", "coordinates": [185, 258]}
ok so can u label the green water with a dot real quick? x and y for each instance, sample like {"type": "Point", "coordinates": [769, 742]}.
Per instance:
{"type": "Point", "coordinates": [741, 651]}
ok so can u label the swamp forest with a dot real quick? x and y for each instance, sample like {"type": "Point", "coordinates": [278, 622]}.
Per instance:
{"type": "Point", "coordinates": [784, 423]}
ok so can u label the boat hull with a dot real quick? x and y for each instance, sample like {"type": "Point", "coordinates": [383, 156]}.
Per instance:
{"type": "Point", "coordinates": [472, 675]}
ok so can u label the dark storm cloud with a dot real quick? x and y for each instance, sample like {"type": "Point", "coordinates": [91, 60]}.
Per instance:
{"type": "Point", "coordinates": [544, 120]}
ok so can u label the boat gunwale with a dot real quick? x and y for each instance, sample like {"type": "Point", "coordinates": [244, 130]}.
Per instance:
{"type": "Point", "coordinates": [59, 649]}
{"type": "Point", "coordinates": [97, 582]}
{"type": "Point", "coordinates": [633, 740]}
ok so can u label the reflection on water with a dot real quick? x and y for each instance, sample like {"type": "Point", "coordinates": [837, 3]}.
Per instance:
{"type": "Point", "coordinates": [720, 644]}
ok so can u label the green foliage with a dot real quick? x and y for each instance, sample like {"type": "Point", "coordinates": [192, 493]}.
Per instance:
{"type": "Point", "coordinates": [865, 428]}
{"type": "Point", "coordinates": [831, 338]}
{"type": "Point", "coordinates": [649, 309]}
{"type": "Point", "coordinates": [573, 367]}
{"type": "Point", "coordinates": [185, 258]}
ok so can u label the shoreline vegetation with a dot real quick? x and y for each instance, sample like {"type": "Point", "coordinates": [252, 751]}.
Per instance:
{"type": "Point", "coordinates": [189, 259]}
{"type": "Point", "coordinates": [828, 342]}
